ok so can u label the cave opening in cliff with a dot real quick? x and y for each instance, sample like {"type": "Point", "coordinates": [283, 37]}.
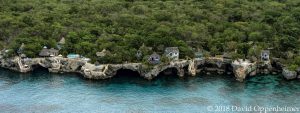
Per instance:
{"type": "Point", "coordinates": [228, 69]}
{"type": "Point", "coordinates": [169, 72]}
{"type": "Point", "coordinates": [168, 77]}
{"type": "Point", "coordinates": [125, 76]}
{"type": "Point", "coordinates": [210, 65]}
{"type": "Point", "coordinates": [39, 68]}
{"type": "Point", "coordinates": [127, 73]}
{"type": "Point", "coordinates": [276, 65]}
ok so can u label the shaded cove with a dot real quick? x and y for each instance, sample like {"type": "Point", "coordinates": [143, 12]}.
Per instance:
{"type": "Point", "coordinates": [41, 92]}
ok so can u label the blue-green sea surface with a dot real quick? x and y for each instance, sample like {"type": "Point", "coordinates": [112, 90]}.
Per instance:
{"type": "Point", "coordinates": [40, 92]}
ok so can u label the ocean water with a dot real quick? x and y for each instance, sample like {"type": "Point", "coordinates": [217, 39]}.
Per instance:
{"type": "Point", "coordinates": [41, 92]}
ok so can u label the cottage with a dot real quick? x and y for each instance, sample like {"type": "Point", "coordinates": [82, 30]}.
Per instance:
{"type": "Point", "coordinates": [172, 53]}
{"type": "Point", "coordinates": [154, 58]}
{"type": "Point", "coordinates": [53, 52]}
{"type": "Point", "coordinates": [265, 55]}
{"type": "Point", "coordinates": [45, 52]}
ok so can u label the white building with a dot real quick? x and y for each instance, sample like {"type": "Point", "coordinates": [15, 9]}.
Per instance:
{"type": "Point", "coordinates": [172, 53]}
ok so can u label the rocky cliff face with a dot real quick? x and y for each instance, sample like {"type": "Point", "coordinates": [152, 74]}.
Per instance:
{"type": "Point", "coordinates": [289, 74]}
{"type": "Point", "coordinates": [177, 65]}
{"type": "Point", "coordinates": [91, 71]}
{"type": "Point", "coordinates": [104, 71]}
{"type": "Point", "coordinates": [9, 63]}
{"type": "Point", "coordinates": [242, 68]}
{"type": "Point", "coordinates": [240, 73]}
{"type": "Point", "coordinates": [108, 70]}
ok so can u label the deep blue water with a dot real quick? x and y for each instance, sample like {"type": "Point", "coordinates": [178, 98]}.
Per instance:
{"type": "Point", "coordinates": [43, 92]}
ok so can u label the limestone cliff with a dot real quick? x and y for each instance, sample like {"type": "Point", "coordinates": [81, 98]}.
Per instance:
{"type": "Point", "coordinates": [178, 65]}
{"type": "Point", "coordinates": [181, 67]}
{"type": "Point", "coordinates": [241, 68]}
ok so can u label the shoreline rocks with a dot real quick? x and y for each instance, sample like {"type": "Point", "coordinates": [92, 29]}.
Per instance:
{"type": "Point", "coordinates": [289, 75]}
{"type": "Point", "coordinates": [242, 68]}
{"type": "Point", "coordinates": [104, 71]}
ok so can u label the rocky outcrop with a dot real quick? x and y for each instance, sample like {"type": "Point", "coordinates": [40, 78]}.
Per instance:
{"type": "Point", "coordinates": [178, 65]}
{"type": "Point", "coordinates": [16, 64]}
{"type": "Point", "coordinates": [108, 70]}
{"type": "Point", "coordinates": [276, 65]}
{"type": "Point", "coordinates": [289, 74]}
{"type": "Point", "coordinates": [92, 71]}
{"type": "Point", "coordinates": [216, 65]}
{"type": "Point", "coordinates": [192, 68]}
{"type": "Point", "coordinates": [242, 68]}
{"type": "Point", "coordinates": [265, 67]}
{"type": "Point", "coordinates": [113, 68]}
{"type": "Point", "coordinates": [23, 67]}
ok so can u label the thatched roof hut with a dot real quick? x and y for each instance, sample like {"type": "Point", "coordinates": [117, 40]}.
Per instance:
{"type": "Point", "coordinates": [45, 52]}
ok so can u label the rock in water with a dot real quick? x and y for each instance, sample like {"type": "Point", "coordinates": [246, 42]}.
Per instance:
{"type": "Point", "coordinates": [289, 74]}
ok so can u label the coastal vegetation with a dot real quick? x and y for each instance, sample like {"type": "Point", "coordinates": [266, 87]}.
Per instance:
{"type": "Point", "coordinates": [241, 28]}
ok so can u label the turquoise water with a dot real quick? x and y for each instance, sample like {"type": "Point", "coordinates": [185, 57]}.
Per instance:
{"type": "Point", "coordinates": [43, 92]}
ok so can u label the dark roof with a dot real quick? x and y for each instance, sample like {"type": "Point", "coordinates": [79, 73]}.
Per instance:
{"type": "Point", "coordinates": [47, 52]}
{"type": "Point", "coordinates": [44, 52]}
{"type": "Point", "coordinates": [155, 55]}
{"type": "Point", "coordinates": [52, 50]}
{"type": "Point", "coordinates": [154, 58]}
{"type": "Point", "coordinates": [171, 49]}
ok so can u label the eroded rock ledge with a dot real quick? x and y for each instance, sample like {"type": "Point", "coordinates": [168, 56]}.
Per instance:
{"type": "Point", "coordinates": [240, 68]}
